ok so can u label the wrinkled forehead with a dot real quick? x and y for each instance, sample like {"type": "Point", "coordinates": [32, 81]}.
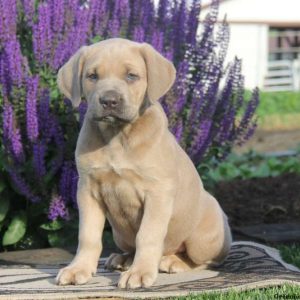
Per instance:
{"type": "Point", "coordinates": [115, 59]}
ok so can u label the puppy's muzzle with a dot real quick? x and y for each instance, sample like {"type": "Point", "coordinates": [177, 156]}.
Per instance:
{"type": "Point", "coordinates": [111, 100]}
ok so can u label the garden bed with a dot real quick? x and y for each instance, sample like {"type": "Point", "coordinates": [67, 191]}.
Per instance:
{"type": "Point", "coordinates": [261, 200]}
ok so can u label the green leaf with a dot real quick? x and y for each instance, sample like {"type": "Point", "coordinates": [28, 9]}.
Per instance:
{"type": "Point", "coordinates": [215, 175]}
{"type": "Point", "coordinates": [54, 93]}
{"type": "Point", "coordinates": [54, 239]}
{"type": "Point", "coordinates": [2, 186]}
{"type": "Point", "coordinates": [52, 226]}
{"type": "Point", "coordinates": [4, 206]}
{"type": "Point", "coordinates": [63, 238]}
{"type": "Point", "coordinates": [16, 229]}
{"type": "Point", "coordinates": [262, 171]}
{"type": "Point", "coordinates": [96, 39]}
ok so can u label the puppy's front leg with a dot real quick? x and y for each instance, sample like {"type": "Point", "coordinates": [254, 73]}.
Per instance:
{"type": "Point", "coordinates": [149, 243]}
{"type": "Point", "coordinates": [91, 224]}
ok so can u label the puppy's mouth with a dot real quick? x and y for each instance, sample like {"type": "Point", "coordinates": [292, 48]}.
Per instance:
{"type": "Point", "coordinates": [112, 119]}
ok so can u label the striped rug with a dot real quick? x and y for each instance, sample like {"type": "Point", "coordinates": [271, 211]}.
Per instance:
{"type": "Point", "coordinates": [249, 265]}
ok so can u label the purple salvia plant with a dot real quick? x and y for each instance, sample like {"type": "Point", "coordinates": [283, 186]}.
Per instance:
{"type": "Point", "coordinates": [8, 17]}
{"type": "Point", "coordinates": [7, 122]}
{"type": "Point", "coordinates": [28, 8]}
{"type": "Point", "coordinates": [39, 153]}
{"type": "Point", "coordinates": [13, 56]}
{"type": "Point", "coordinates": [99, 16]}
{"type": "Point", "coordinates": [66, 181]}
{"type": "Point", "coordinates": [11, 134]}
{"type": "Point", "coordinates": [58, 209]}
{"type": "Point", "coordinates": [179, 30]}
{"type": "Point", "coordinates": [148, 19]}
{"type": "Point", "coordinates": [45, 120]}
{"type": "Point", "coordinates": [114, 27]}
{"type": "Point", "coordinates": [200, 139]}
{"type": "Point", "coordinates": [42, 33]}
{"type": "Point", "coordinates": [41, 142]}
{"type": "Point", "coordinates": [21, 186]}
{"type": "Point", "coordinates": [57, 9]}
{"type": "Point", "coordinates": [192, 23]}
{"type": "Point", "coordinates": [6, 81]}
{"type": "Point", "coordinates": [247, 124]}
{"type": "Point", "coordinates": [82, 110]}
{"type": "Point", "coordinates": [157, 40]}
{"type": "Point", "coordinates": [17, 146]}
{"type": "Point", "coordinates": [32, 125]}
{"type": "Point", "coordinates": [162, 14]}
{"type": "Point", "coordinates": [138, 34]}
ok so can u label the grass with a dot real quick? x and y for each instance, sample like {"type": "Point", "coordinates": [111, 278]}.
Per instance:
{"type": "Point", "coordinates": [278, 103]}
{"type": "Point", "coordinates": [279, 111]}
{"type": "Point", "coordinates": [290, 254]}
{"type": "Point", "coordinates": [283, 292]}
{"type": "Point", "coordinates": [279, 121]}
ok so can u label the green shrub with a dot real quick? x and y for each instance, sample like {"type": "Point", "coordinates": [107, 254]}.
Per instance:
{"type": "Point", "coordinates": [247, 166]}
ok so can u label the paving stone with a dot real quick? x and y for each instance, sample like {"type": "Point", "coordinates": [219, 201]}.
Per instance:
{"type": "Point", "coordinates": [287, 232]}
{"type": "Point", "coordinates": [49, 256]}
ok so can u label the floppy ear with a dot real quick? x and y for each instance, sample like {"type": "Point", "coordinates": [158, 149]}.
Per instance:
{"type": "Point", "coordinates": [161, 73]}
{"type": "Point", "coordinates": [69, 77]}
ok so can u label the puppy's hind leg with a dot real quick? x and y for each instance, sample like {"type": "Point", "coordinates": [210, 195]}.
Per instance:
{"type": "Point", "coordinates": [210, 243]}
{"type": "Point", "coordinates": [117, 261]}
{"type": "Point", "coordinates": [176, 263]}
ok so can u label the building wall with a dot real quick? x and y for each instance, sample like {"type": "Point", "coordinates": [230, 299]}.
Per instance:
{"type": "Point", "coordinates": [260, 10]}
{"type": "Point", "coordinates": [250, 43]}
{"type": "Point", "coordinates": [249, 22]}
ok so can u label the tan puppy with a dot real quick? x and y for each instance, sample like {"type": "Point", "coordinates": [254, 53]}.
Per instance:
{"type": "Point", "coordinates": [133, 172]}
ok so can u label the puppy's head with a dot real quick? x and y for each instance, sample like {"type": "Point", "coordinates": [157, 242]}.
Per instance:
{"type": "Point", "coordinates": [115, 76]}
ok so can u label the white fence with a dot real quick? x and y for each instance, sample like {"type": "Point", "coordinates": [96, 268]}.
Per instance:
{"type": "Point", "coordinates": [282, 75]}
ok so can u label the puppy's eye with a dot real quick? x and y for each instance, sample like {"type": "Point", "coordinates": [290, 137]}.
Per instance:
{"type": "Point", "coordinates": [92, 76]}
{"type": "Point", "coordinates": [132, 77]}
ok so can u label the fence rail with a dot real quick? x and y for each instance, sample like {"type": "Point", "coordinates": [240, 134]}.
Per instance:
{"type": "Point", "coordinates": [282, 75]}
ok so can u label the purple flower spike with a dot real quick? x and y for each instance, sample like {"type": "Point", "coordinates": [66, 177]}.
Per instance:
{"type": "Point", "coordinates": [5, 76]}
{"type": "Point", "coordinates": [22, 186]}
{"type": "Point", "coordinates": [157, 40]}
{"type": "Point", "coordinates": [58, 209]}
{"type": "Point", "coordinates": [17, 146]}
{"type": "Point", "coordinates": [57, 12]}
{"type": "Point", "coordinates": [28, 11]}
{"type": "Point", "coordinates": [82, 110]}
{"type": "Point", "coordinates": [114, 27]}
{"type": "Point", "coordinates": [11, 134]}
{"type": "Point", "coordinates": [178, 130]}
{"type": "Point", "coordinates": [8, 125]}
{"type": "Point", "coordinates": [139, 34]}
{"type": "Point", "coordinates": [31, 108]}
{"type": "Point", "coordinates": [42, 34]}
{"type": "Point", "coordinates": [39, 153]}
{"type": "Point", "coordinates": [14, 61]}
{"type": "Point", "coordinates": [198, 145]}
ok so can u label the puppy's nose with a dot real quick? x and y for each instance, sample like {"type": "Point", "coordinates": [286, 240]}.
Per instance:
{"type": "Point", "coordinates": [110, 99]}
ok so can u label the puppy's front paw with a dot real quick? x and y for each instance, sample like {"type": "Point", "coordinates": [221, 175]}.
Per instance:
{"type": "Point", "coordinates": [137, 277]}
{"type": "Point", "coordinates": [76, 274]}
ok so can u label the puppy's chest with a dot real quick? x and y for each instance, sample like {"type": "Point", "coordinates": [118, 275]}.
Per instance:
{"type": "Point", "coordinates": [121, 187]}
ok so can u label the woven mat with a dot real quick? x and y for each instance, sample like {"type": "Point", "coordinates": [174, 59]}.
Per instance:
{"type": "Point", "coordinates": [249, 265]}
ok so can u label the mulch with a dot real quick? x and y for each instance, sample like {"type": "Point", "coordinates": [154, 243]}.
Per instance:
{"type": "Point", "coordinates": [261, 200]}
